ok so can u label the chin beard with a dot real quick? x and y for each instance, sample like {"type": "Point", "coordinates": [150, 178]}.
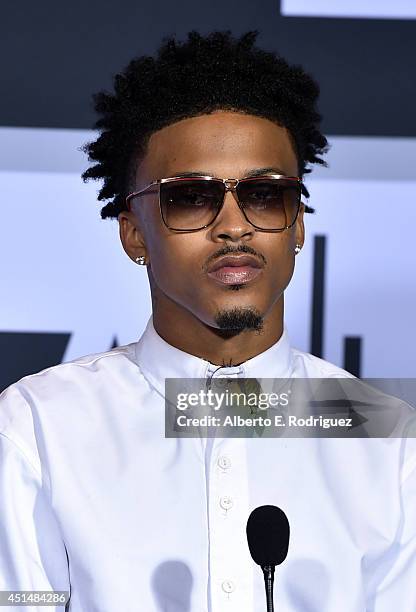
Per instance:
{"type": "Point", "coordinates": [239, 319]}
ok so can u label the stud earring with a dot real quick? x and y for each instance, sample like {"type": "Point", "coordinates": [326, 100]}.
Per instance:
{"type": "Point", "coordinates": [141, 261]}
{"type": "Point", "coordinates": [298, 248]}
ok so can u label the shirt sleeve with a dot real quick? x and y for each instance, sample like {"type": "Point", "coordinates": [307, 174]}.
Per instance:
{"type": "Point", "coordinates": [32, 553]}
{"type": "Point", "coordinates": [397, 591]}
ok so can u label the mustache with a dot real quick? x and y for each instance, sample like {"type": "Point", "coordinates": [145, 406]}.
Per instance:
{"type": "Point", "coordinates": [228, 250]}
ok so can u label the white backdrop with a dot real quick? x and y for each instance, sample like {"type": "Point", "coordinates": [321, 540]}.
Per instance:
{"type": "Point", "coordinates": [63, 269]}
{"type": "Point", "coordinates": [375, 9]}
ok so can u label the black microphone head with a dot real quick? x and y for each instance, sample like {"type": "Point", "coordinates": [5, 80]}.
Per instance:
{"type": "Point", "coordinates": [268, 535]}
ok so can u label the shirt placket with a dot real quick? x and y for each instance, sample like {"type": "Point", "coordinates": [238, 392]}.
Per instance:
{"type": "Point", "coordinates": [231, 573]}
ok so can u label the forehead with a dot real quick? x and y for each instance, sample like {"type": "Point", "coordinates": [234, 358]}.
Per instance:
{"type": "Point", "coordinates": [223, 143]}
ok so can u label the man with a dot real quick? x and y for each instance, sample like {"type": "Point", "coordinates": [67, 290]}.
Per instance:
{"type": "Point", "coordinates": [94, 498]}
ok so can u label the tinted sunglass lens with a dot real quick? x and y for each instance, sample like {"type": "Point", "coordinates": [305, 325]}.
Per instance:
{"type": "Point", "coordinates": [190, 204]}
{"type": "Point", "coordinates": [270, 203]}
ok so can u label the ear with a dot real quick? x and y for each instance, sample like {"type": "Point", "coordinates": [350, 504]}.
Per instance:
{"type": "Point", "coordinates": [131, 235]}
{"type": "Point", "coordinates": [300, 227]}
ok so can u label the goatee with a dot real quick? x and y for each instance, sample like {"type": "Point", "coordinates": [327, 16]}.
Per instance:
{"type": "Point", "coordinates": [239, 319]}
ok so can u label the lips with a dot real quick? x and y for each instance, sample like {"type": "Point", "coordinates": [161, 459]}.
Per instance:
{"type": "Point", "coordinates": [235, 261]}
{"type": "Point", "coordinates": [235, 269]}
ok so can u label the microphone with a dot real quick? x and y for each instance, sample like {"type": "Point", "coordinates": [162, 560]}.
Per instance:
{"type": "Point", "coordinates": [268, 540]}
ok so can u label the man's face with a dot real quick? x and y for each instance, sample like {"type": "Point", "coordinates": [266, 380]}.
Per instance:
{"type": "Point", "coordinates": [226, 145]}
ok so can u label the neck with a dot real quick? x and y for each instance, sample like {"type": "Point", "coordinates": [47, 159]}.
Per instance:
{"type": "Point", "coordinates": [183, 330]}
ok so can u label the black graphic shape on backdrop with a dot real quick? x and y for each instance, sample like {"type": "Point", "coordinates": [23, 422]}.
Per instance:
{"type": "Point", "coordinates": [352, 345]}
{"type": "Point", "coordinates": [318, 290]}
{"type": "Point", "coordinates": [24, 353]}
{"type": "Point", "coordinates": [352, 355]}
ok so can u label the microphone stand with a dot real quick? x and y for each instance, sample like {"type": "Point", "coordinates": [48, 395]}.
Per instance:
{"type": "Point", "coordinates": [268, 571]}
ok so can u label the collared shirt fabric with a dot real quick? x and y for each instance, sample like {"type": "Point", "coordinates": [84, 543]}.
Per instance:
{"type": "Point", "coordinates": [96, 501]}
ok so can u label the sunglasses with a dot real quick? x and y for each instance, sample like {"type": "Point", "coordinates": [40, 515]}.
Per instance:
{"type": "Point", "coordinates": [188, 204]}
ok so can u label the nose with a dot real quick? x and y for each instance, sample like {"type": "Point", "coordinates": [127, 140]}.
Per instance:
{"type": "Point", "coordinates": [231, 224]}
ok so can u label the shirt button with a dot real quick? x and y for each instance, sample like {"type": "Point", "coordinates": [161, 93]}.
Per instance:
{"type": "Point", "coordinates": [228, 586]}
{"type": "Point", "coordinates": [226, 502]}
{"type": "Point", "coordinates": [224, 462]}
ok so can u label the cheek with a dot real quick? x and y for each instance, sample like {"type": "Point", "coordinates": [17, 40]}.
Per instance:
{"type": "Point", "coordinates": [280, 272]}
{"type": "Point", "coordinates": [176, 267]}
{"type": "Point", "coordinates": [280, 263]}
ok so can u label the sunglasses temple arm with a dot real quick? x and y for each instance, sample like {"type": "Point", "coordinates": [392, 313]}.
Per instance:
{"type": "Point", "coordinates": [142, 192]}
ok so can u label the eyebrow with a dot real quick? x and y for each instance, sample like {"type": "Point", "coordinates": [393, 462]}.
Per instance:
{"type": "Point", "coordinates": [249, 174]}
{"type": "Point", "coordinates": [263, 171]}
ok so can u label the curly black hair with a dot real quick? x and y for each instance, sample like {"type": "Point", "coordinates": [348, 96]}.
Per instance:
{"type": "Point", "coordinates": [192, 78]}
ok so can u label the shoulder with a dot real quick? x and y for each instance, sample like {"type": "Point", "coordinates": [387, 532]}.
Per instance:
{"type": "Point", "coordinates": [69, 379]}
{"type": "Point", "coordinates": [309, 366]}
{"type": "Point", "coordinates": [68, 370]}
{"type": "Point", "coordinates": [64, 393]}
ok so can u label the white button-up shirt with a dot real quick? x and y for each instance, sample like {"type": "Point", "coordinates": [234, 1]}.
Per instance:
{"type": "Point", "coordinates": [96, 501]}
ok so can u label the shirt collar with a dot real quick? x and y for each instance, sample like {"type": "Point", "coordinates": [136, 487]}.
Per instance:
{"type": "Point", "coordinates": [159, 360]}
